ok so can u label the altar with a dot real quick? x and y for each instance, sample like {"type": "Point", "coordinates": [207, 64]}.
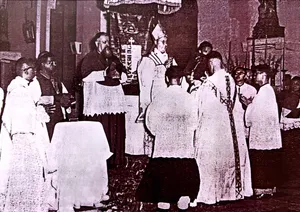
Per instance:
{"type": "Point", "coordinates": [134, 131]}
{"type": "Point", "coordinates": [78, 151]}
{"type": "Point", "coordinates": [288, 123]}
{"type": "Point", "coordinates": [130, 39]}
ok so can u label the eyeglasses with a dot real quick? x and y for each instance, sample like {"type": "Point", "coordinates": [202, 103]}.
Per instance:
{"type": "Point", "coordinates": [52, 63]}
{"type": "Point", "coordinates": [26, 69]}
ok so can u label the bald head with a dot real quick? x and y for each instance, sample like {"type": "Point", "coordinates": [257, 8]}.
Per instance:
{"type": "Point", "coordinates": [214, 62]}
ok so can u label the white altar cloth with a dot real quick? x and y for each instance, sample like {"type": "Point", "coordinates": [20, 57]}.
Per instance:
{"type": "Point", "coordinates": [79, 150]}
{"type": "Point", "coordinates": [99, 99]}
{"type": "Point", "coordinates": [134, 131]}
{"type": "Point", "coordinates": [288, 123]}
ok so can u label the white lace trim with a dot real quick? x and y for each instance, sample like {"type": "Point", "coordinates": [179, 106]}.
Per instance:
{"type": "Point", "coordinates": [288, 123]}
{"type": "Point", "coordinates": [100, 99]}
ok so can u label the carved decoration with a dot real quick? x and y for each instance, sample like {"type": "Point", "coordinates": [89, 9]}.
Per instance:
{"type": "Point", "coordinates": [268, 24]}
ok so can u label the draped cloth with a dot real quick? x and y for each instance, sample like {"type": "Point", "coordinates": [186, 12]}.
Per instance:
{"type": "Point", "coordinates": [172, 118]}
{"type": "Point", "coordinates": [288, 123]}
{"type": "Point", "coordinates": [100, 99]}
{"type": "Point", "coordinates": [163, 6]}
{"type": "Point", "coordinates": [79, 150]}
{"type": "Point", "coordinates": [290, 113]}
{"type": "Point", "coordinates": [229, 102]}
{"type": "Point", "coordinates": [215, 152]}
{"type": "Point", "coordinates": [105, 102]}
{"type": "Point", "coordinates": [115, 130]}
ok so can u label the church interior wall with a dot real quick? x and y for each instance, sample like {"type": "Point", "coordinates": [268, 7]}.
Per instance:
{"type": "Point", "coordinates": [225, 23]}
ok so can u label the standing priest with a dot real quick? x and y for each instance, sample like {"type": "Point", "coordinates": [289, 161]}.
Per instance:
{"type": "Point", "coordinates": [103, 96]}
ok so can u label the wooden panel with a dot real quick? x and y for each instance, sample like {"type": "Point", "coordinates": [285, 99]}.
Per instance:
{"type": "Point", "coordinates": [62, 32]}
{"type": "Point", "coordinates": [57, 36]}
{"type": "Point", "coordinates": [7, 74]}
{"type": "Point", "coordinates": [69, 59]}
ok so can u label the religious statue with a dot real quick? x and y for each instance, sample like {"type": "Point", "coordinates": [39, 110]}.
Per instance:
{"type": "Point", "coordinates": [267, 13]}
{"type": "Point", "coordinates": [268, 23]}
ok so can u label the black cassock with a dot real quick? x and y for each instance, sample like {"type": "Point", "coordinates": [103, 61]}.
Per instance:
{"type": "Point", "coordinates": [113, 124]}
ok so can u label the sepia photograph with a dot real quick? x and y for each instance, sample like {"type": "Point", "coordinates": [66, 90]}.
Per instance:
{"type": "Point", "coordinates": [149, 105]}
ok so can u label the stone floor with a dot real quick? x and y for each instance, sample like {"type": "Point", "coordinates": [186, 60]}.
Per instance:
{"type": "Point", "coordinates": [124, 181]}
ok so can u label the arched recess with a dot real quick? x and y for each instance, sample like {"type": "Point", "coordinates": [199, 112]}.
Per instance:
{"type": "Point", "coordinates": [181, 26]}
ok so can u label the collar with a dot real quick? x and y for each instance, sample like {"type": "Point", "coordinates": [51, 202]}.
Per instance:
{"type": "Point", "coordinates": [21, 81]}
{"type": "Point", "coordinates": [42, 74]}
{"type": "Point", "coordinates": [264, 86]}
{"type": "Point", "coordinates": [17, 82]}
{"type": "Point", "coordinates": [174, 86]}
{"type": "Point", "coordinates": [240, 85]}
{"type": "Point", "coordinates": [216, 74]}
{"type": "Point", "coordinates": [162, 56]}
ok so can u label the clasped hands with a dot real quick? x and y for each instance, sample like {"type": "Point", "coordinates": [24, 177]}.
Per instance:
{"type": "Point", "coordinates": [244, 100]}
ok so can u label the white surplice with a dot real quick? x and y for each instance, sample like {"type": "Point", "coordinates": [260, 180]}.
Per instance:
{"type": "Point", "coordinates": [247, 91]}
{"type": "Point", "coordinates": [23, 150]}
{"type": "Point", "coordinates": [263, 119]}
{"type": "Point", "coordinates": [214, 143]}
{"type": "Point", "coordinates": [172, 118]}
{"type": "Point", "coordinates": [151, 73]}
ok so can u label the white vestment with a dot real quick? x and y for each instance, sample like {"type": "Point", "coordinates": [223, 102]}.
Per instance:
{"type": "Point", "coordinates": [172, 118]}
{"type": "Point", "coordinates": [214, 143]}
{"type": "Point", "coordinates": [151, 74]}
{"type": "Point", "coordinates": [263, 119]}
{"type": "Point", "coordinates": [247, 91]}
{"type": "Point", "coordinates": [23, 142]}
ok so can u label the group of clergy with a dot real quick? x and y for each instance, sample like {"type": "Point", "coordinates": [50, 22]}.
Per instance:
{"type": "Point", "coordinates": [35, 101]}
{"type": "Point", "coordinates": [198, 121]}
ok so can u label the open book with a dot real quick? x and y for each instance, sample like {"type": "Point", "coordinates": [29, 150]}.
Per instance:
{"type": "Point", "coordinates": [46, 100]}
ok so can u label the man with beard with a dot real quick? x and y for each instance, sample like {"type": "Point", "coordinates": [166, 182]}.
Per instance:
{"type": "Point", "coordinates": [54, 90]}
{"type": "Point", "coordinates": [103, 96]}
